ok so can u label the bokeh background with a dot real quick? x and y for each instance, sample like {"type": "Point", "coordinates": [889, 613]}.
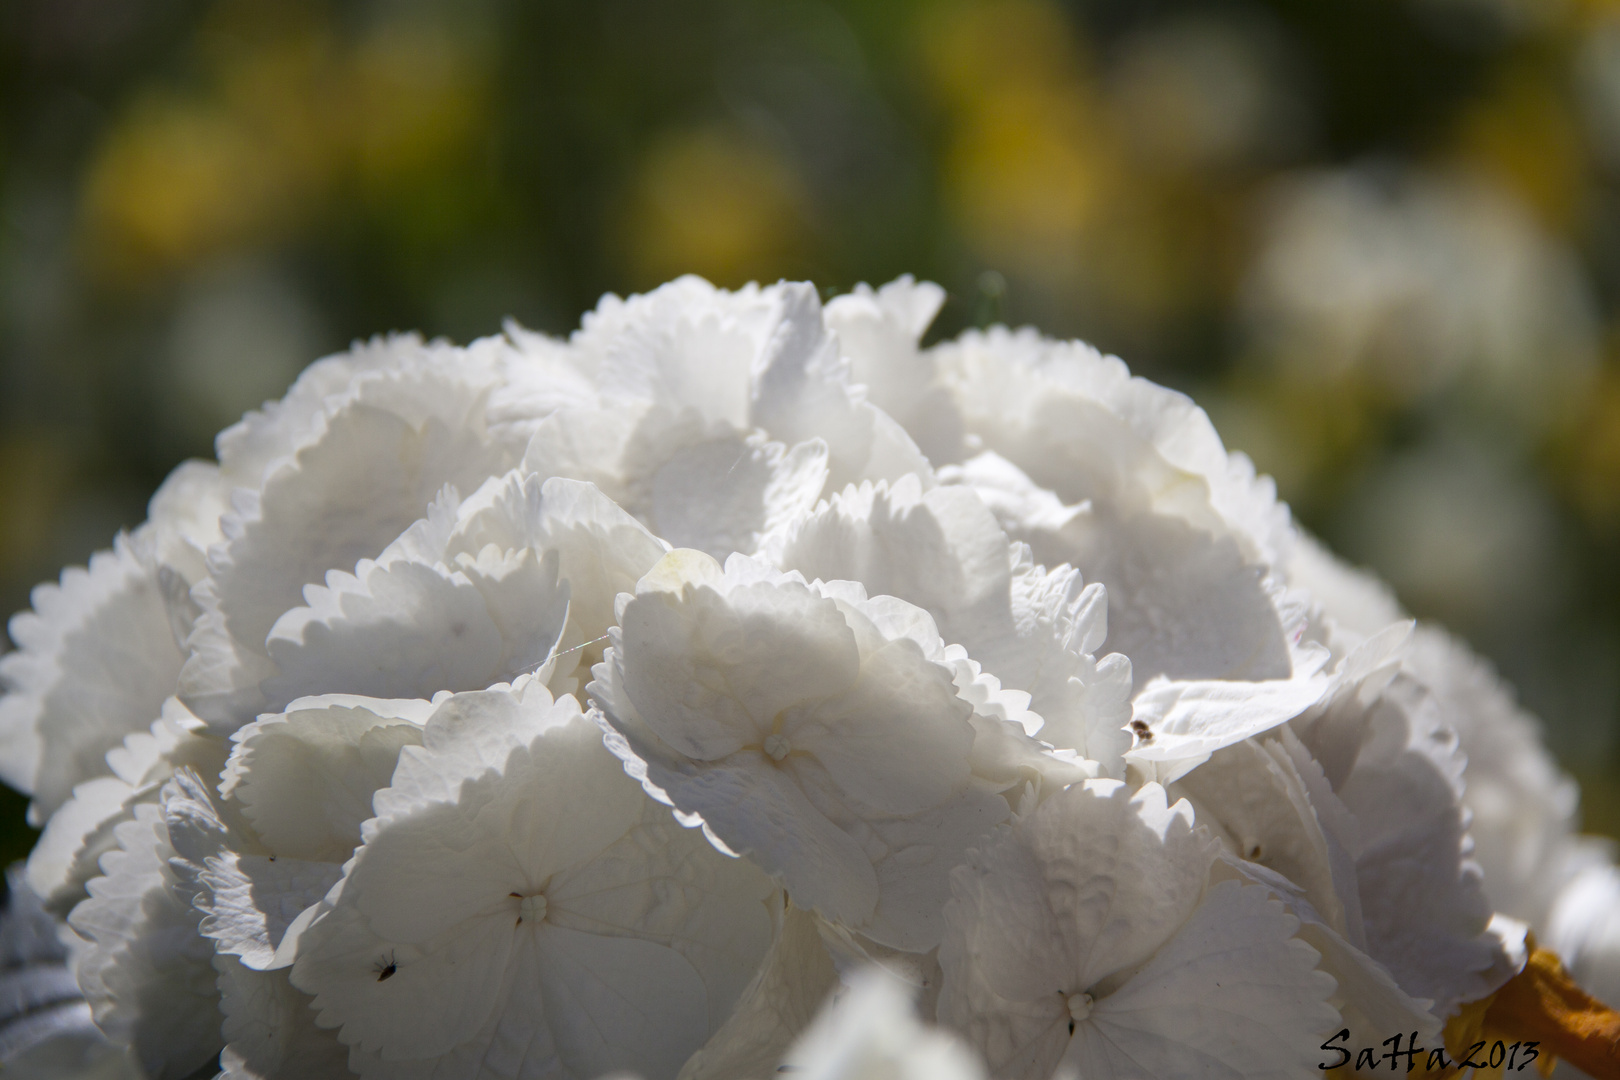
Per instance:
{"type": "Point", "coordinates": [1378, 239]}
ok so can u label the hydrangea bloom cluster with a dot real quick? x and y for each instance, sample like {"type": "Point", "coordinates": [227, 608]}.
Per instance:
{"type": "Point", "coordinates": [563, 708]}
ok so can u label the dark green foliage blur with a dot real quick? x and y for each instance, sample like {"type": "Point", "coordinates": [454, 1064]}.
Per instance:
{"type": "Point", "coordinates": [1378, 239]}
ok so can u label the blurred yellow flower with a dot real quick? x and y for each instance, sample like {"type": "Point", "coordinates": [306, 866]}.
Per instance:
{"type": "Point", "coordinates": [1524, 134]}
{"type": "Point", "coordinates": [288, 116]}
{"type": "Point", "coordinates": [175, 182]}
{"type": "Point", "coordinates": [1026, 169]}
{"type": "Point", "coordinates": [711, 202]}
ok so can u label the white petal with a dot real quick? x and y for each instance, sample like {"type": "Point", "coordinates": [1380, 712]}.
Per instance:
{"type": "Point", "coordinates": [1522, 806]}
{"type": "Point", "coordinates": [1189, 721]}
{"type": "Point", "coordinates": [922, 722]}
{"type": "Point", "coordinates": [620, 1003]}
{"type": "Point", "coordinates": [94, 661]}
{"type": "Point", "coordinates": [1078, 424]}
{"type": "Point", "coordinates": [872, 1031]}
{"type": "Point", "coordinates": [248, 898]}
{"type": "Point", "coordinates": [411, 630]}
{"type": "Point", "coordinates": [250, 901]}
{"type": "Point", "coordinates": [1254, 794]}
{"type": "Point", "coordinates": [439, 993]}
{"type": "Point", "coordinates": [1091, 884]}
{"type": "Point", "coordinates": [1398, 770]}
{"type": "Point", "coordinates": [780, 1004]}
{"type": "Point", "coordinates": [759, 812]}
{"type": "Point", "coordinates": [1368, 999]}
{"type": "Point", "coordinates": [305, 778]}
{"type": "Point", "coordinates": [791, 722]}
{"type": "Point", "coordinates": [1191, 593]}
{"type": "Point", "coordinates": [1232, 995]}
{"type": "Point", "coordinates": [82, 822]}
{"type": "Point", "coordinates": [374, 462]}
{"type": "Point", "coordinates": [879, 332]}
{"type": "Point", "coordinates": [708, 673]}
{"type": "Point", "coordinates": [512, 797]}
{"type": "Point", "coordinates": [686, 343]}
{"type": "Point", "coordinates": [802, 391]}
{"type": "Point", "coordinates": [728, 494]}
{"type": "Point", "coordinates": [603, 552]}
{"type": "Point", "coordinates": [942, 550]}
{"type": "Point", "coordinates": [270, 1029]}
{"type": "Point", "coordinates": [147, 971]}
{"type": "Point", "coordinates": [1584, 929]}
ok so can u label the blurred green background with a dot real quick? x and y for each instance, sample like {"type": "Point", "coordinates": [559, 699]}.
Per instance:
{"type": "Point", "coordinates": [1378, 239]}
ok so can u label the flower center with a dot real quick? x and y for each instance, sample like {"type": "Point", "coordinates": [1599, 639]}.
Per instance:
{"type": "Point", "coordinates": [533, 908]}
{"type": "Point", "coordinates": [777, 747]}
{"type": "Point", "coordinates": [1079, 1006]}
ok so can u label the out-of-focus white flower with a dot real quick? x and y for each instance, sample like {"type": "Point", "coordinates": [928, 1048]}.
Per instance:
{"type": "Point", "coordinates": [1204, 91]}
{"type": "Point", "coordinates": [1417, 285]}
{"type": "Point", "coordinates": [1584, 927]}
{"type": "Point", "coordinates": [872, 1033]}
{"type": "Point", "coordinates": [551, 707]}
{"type": "Point", "coordinates": [1463, 532]}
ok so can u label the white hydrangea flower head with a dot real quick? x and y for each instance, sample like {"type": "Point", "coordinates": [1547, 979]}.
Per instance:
{"type": "Point", "coordinates": [559, 707]}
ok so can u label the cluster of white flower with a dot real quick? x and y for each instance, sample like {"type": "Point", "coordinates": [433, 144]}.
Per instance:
{"type": "Point", "coordinates": [557, 708]}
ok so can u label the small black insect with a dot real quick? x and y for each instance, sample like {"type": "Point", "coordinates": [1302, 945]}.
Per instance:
{"type": "Point", "coordinates": [1142, 731]}
{"type": "Point", "coordinates": [386, 971]}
